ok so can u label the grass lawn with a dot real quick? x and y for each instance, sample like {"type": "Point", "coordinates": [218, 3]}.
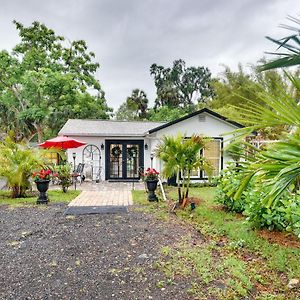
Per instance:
{"type": "Point", "coordinates": [231, 261]}
{"type": "Point", "coordinates": [54, 196]}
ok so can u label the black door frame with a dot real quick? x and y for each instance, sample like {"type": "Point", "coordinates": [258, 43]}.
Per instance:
{"type": "Point", "coordinates": [140, 144]}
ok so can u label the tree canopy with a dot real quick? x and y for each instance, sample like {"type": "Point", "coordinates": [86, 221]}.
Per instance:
{"type": "Point", "coordinates": [233, 90]}
{"type": "Point", "coordinates": [181, 86]}
{"type": "Point", "coordinates": [135, 107]}
{"type": "Point", "coordinates": [45, 80]}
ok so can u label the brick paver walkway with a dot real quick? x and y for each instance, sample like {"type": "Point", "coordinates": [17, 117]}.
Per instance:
{"type": "Point", "coordinates": [103, 198]}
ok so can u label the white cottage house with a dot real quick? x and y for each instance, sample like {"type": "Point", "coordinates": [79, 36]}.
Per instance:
{"type": "Point", "coordinates": [118, 150]}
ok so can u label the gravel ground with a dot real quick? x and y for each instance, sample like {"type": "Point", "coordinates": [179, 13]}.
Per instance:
{"type": "Point", "coordinates": [46, 255]}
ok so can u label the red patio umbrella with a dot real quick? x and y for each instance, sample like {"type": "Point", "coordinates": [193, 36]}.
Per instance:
{"type": "Point", "coordinates": [62, 142]}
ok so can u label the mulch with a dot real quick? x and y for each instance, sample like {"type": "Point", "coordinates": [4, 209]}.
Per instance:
{"type": "Point", "coordinates": [280, 238]}
{"type": "Point", "coordinates": [47, 255]}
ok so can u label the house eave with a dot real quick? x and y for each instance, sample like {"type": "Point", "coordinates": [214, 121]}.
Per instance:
{"type": "Point", "coordinates": [204, 110]}
{"type": "Point", "coordinates": [101, 135]}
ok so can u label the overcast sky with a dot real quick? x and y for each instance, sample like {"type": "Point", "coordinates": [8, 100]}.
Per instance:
{"type": "Point", "coordinates": [129, 35]}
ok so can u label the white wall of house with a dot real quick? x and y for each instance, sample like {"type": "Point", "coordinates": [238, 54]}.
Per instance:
{"type": "Point", "coordinates": [204, 124]}
{"type": "Point", "coordinates": [98, 141]}
{"type": "Point", "coordinates": [90, 140]}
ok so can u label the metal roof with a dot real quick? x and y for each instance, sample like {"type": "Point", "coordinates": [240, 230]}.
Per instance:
{"type": "Point", "coordinates": [80, 127]}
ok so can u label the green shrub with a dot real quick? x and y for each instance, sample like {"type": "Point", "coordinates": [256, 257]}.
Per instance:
{"type": "Point", "coordinates": [64, 176]}
{"type": "Point", "coordinates": [284, 215]}
{"type": "Point", "coordinates": [17, 162]}
{"type": "Point", "coordinates": [261, 216]}
{"type": "Point", "coordinates": [228, 184]}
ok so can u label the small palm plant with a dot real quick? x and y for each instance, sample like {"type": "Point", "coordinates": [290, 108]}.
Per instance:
{"type": "Point", "coordinates": [17, 161]}
{"type": "Point", "coordinates": [181, 156]}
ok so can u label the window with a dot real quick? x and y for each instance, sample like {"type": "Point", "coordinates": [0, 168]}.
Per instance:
{"type": "Point", "coordinates": [212, 153]}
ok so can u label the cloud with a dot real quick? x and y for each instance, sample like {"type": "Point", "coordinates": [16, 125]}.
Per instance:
{"type": "Point", "coordinates": [129, 35]}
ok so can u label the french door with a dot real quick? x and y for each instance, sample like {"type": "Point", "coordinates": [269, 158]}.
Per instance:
{"type": "Point", "coordinates": [124, 159]}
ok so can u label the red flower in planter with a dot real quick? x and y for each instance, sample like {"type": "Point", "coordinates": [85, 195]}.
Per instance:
{"type": "Point", "coordinates": [150, 174]}
{"type": "Point", "coordinates": [42, 175]}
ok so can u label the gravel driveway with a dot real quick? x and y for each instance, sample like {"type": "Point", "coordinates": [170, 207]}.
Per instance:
{"type": "Point", "coordinates": [46, 255]}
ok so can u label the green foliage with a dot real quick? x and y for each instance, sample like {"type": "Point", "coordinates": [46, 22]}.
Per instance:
{"type": "Point", "coordinates": [271, 183]}
{"type": "Point", "coordinates": [228, 183]}
{"type": "Point", "coordinates": [134, 108]}
{"type": "Point", "coordinates": [181, 85]}
{"type": "Point", "coordinates": [17, 162]}
{"type": "Point", "coordinates": [166, 114]}
{"type": "Point", "coordinates": [222, 257]}
{"type": "Point", "coordinates": [284, 216]}
{"type": "Point", "coordinates": [234, 90]}
{"type": "Point", "coordinates": [181, 156]}
{"type": "Point", "coordinates": [45, 80]}
{"type": "Point", "coordinates": [291, 44]}
{"type": "Point", "coordinates": [64, 175]}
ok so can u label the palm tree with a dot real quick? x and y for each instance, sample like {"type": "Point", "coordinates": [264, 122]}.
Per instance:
{"type": "Point", "coordinates": [181, 156]}
{"type": "Point", "coordinates": [17, 162]}
{"type": "Point", "coordinates": [170, 151]}
{"type": "Point", "coordinates": [138, 103]}
{"type": "Point", "coordinates": [279, 165]}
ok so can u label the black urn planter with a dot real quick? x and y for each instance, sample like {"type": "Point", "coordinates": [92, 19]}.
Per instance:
{"type": "Point", "coordinates": [151, 186]}
{"type": "Point", "coordinates": [42, 186]}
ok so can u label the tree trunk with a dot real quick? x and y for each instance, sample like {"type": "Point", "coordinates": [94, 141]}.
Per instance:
{"type": "Point", "coordinates": [40, 133]}
{"type": "Point", "coordinates": [178, 188]}
{"type": "Point", "coordinates": [188, 185]}
{"type": "Point", "coordinates": [183, 187]}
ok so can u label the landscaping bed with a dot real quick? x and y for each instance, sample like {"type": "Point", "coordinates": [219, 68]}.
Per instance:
{"type": "Point", "coordinates": [233, 261]}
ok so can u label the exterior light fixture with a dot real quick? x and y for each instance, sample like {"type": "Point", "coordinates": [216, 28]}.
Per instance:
{"type": "Point", "coordinates": [151, 157]}
{"type": "Point", "coordinates": [102, 146]}
{"type": "Point", "coordinates": [74, 169]}
{"type": "Point", "coordinates": [74, 159]}
{"type": "Point", "coordinates": [146, 146]}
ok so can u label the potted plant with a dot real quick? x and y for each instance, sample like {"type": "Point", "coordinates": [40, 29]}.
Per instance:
{"type": "Point", "coordinates": [64, 176]}
{"type": "Point", "coordinates": [151, 178]}
{"type": "Point", "coordinates": [42, 179]}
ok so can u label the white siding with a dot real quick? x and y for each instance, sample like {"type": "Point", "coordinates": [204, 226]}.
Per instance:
{"type": "Point", "coordinates": [209, 126]}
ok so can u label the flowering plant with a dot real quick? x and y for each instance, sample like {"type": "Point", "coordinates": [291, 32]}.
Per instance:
{"type": "Point", "coordinates": [43, 175]}
{"type": "Point", "coordinates": [150, 174]}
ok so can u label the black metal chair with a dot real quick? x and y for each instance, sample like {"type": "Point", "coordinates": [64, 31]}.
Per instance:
{"type": "Point", "coordinates": [78, 174]}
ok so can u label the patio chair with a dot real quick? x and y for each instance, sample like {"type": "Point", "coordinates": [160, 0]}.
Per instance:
{"type": "Point", "coordinates": [78, 174]}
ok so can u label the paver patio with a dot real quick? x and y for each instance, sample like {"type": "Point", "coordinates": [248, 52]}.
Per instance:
{"type": "Point", "coordinates": [105, 194]}
{"type": "Point", "coordinates": [103, 198]}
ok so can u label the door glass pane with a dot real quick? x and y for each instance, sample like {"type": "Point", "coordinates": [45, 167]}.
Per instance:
{"type": "Point", "coordinates": [212, 153]}
{"type": "Point", "coordinates": [115, 161]}
{"type": "Point", "coordinates": [132, 163]}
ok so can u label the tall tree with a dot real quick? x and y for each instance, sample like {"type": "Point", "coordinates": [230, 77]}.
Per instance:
{"type": "Point", "coordinates": [45, 80]}
{"type": "Point", "coordinates": [135, 107]}
{"type": "Point", "coordinates": [181, 85]}
{"type": "Point", "coordinates": [234, 89]}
